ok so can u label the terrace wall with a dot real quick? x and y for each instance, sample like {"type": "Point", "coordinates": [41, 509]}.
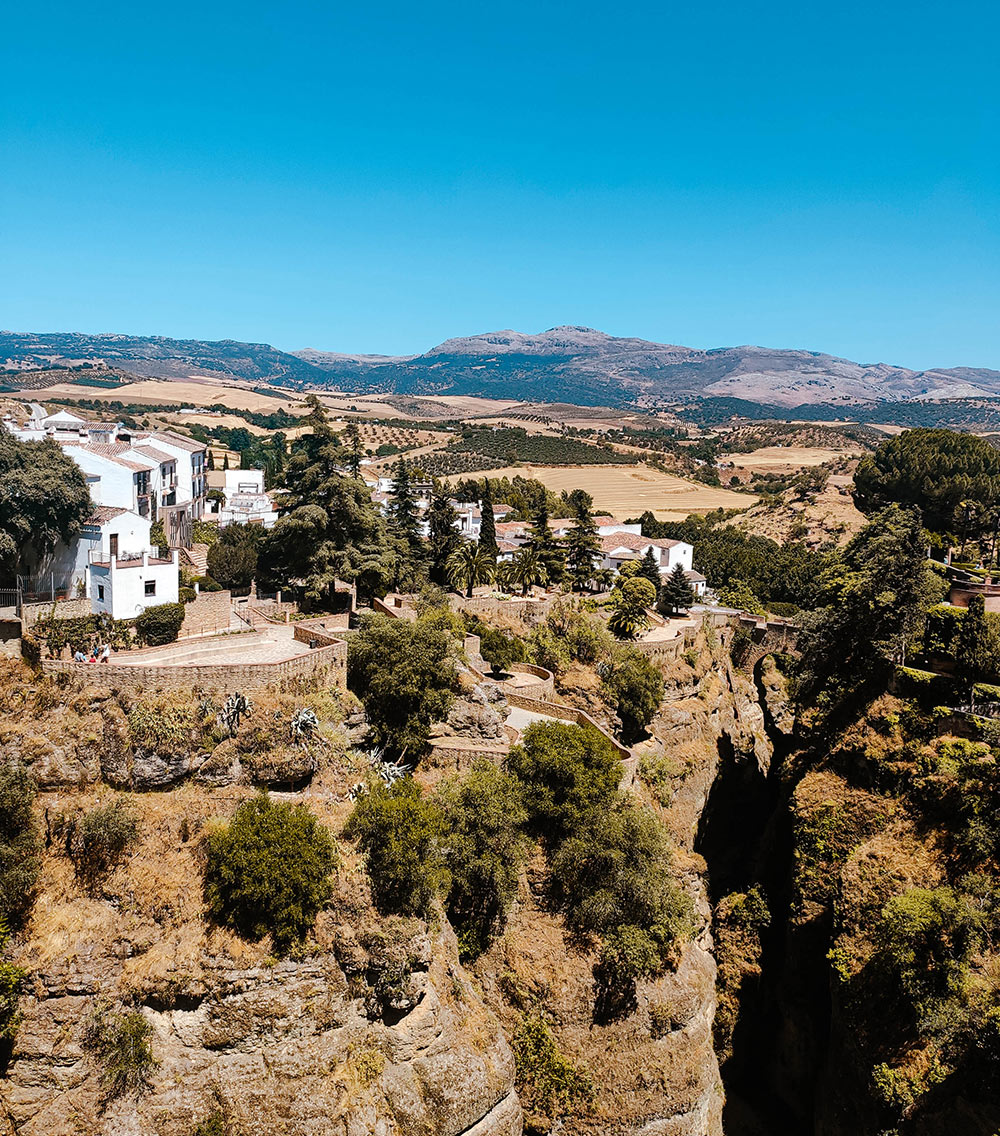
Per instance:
{"type": "Point", "coordinates": [211, 611]}
{"type": "Point", "coordinates": [327, 661]}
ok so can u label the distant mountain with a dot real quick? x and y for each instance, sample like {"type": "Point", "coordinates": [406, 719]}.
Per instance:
{"type": "Point", "coordinates": [567, 364]}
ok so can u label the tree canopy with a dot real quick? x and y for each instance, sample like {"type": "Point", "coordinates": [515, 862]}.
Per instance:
{"type": "Point", "coordinates": [43, 500]}
{"type": "Point", "coordinates": [933, 469]}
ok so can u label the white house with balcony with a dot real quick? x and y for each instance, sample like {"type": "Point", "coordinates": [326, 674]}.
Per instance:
{"type": "Point", "coordinates": [125, 586]}
{"type": "Point", "coordinates": [244, 498]}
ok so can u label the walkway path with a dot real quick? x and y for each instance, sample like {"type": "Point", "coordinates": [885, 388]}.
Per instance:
{"type": "Point", "coordinates": [521, 719]}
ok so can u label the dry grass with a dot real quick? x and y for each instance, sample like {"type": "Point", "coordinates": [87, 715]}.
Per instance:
{"type": "Point", "coordinates": [627, 491]}
{"type": "Point", "coordinates": [769, 459]}
{"type": "Point", "coordinates": [167, 392]}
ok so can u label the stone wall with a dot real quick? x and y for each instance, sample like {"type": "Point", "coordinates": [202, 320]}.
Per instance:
{"type": "Point", "coordinates": [62, 609]}
{"type": "Point", "coordinates": [544, 688]}
{"type": "Point", "coordinates": [329, 661]}
{"type": "Point", "coordinates": [530, 612]}
{"type": "Point", "coordinates": [211, 611]}
{"type": "Point", "coordinates": [566, 714]}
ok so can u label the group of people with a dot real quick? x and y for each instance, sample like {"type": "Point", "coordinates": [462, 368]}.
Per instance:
{"type": "Point", "coordinates": [99, 654]}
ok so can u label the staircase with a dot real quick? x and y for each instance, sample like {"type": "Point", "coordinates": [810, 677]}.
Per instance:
{"type": "Point", "coordinates": [195, 559]}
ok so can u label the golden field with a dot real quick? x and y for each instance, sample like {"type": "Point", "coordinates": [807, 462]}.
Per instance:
{"type": "Point", "coordinates": [172, 392]}
{"type": "Point", "coordinates": [789, 457]}
{"type": "Point", "coordinates": [627, 491]}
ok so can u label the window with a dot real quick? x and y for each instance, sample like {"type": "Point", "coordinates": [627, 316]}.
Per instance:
{"type": "Point", "coordinates": [100, 592]}
{"type": "Point", "coordinates": [150, 587]}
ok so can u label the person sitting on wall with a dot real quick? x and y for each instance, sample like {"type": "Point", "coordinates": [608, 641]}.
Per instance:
{"type": "Point", "coordinates": [105, 653]}
{"type": "Point", "coordinates": [93, 656]}
{"type": "Point", "coordinates": [79, 656]}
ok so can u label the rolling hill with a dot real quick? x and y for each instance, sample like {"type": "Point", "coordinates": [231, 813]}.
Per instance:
{"type": "Point", "coordinates": [569, 364]}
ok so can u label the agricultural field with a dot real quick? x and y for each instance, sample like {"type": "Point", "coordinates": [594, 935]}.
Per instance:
{"type": "Point", "coordinates": [772, 458]}
{"type": "Point", "coordinates": [167, 392]}
{"type": "Point", "coordinates": [374, 435]}
{"type": "Point", "coordinates": [627, 491]}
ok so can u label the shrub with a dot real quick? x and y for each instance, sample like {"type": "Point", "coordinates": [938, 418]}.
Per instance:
{"type": "Point", "coordinates": [20, 846]}
{"type": "Point", "coordinates": [101, 837]}
{"type": "Point", "coordinates": [268, 871]}
{"type": "Point", "coordinates": [400, 834]}
{"type": "Point", "coordinates": [11, 978]}
{"type": "Point", "coordinates": [213, 1125]}
{"type": "Point", "coordinates": [121, 1040]}
{"type": "Point", "coordinates": [187, 595]}
{"type": "Point", "coordinates": [547, 1082]}
{"type": "Point", "coordinates": [485, 848]}
{"type": "Point", "coordinates": [405, 676]}
{"type": "Point", "coordinates": [232, 559]}
{"type": "Point", "coordinates": [567, 772]}
{"type": "Point", "coordinates": [634, 688]}
{"type": "Point", "coordinates": [500, 649]}
{"type": "Point", "coordinates": [159, 624]}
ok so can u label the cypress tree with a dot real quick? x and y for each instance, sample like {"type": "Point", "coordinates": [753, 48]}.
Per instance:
{"type": "Point", "coordinates": [649, 568]}
{"type": "Point", "coordinates": [582, 546]}
{"type": "Point", "coordinates": [444, 538]}
{"type": "Point", "coordinates": [488, 525]}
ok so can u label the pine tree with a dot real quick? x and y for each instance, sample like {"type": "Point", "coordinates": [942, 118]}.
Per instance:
{"type": "Point", "coordinates": [976, 649]}
{"type": "Point", "coordinates": [353, 435]}
{"type": "Point", "coordinates": [548, 548]}
{"type": "Point", "coordinates": [650, 568]}
{"type": "Point", "coordinates": [677, 594]}
{"type": "Point", "coordinates": [582, 545]}
{"type": "Point", "coordinates": [488, 525]}
{"type": "Point", "coordinates": [403, 506]}
{"type": "Point", "coordinates": [444, 538]}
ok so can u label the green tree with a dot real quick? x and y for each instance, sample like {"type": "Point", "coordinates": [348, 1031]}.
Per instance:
{"type": "Point", "coordinates": [225, 461]}
{"type": "Point", "coordinates": [401, 834]}
{"type": "Point", "coordinates": [211, 459]}
{"type": "Point", "coordinates": [976, 647]}
{"type": "Point", "coordinates": [20, 846]}
{"type": "Point", "coordinates": [582, 546]}
{"type": "Point", "coordinates": [405, 675]}
{"type": "Point", "coordinates": [354, 450]}
{"type": "Point", "coordinates": [500, 648]}
{"type": "Point", "coordinates": [649, 567]}
{"type": "Point", "coordinates": [403, 516]}
{"type": "Point", "coordinates": [232, 559]}
{"type": "Point", "coordinates": [875, 603]}
{"type": "Point", "coordinates": [488, 522]}
{"type": "Point", "coordinates": [546, 546]}
{"type": "Point", "coordinates": [470, 565]}
{"type": "Point", "coordinates": [485, 847]}
{"type": "Point", "coordinates": [677, 594]}
{"type": "Point", "coordinates": [567, 772]}
{"type": "Point", "coordinates": [268, 871]}
{"type": "Point", "coordinates": [43, 500]}
{"type": "Point", "coordinates": [329, 528]}
{"type": "Point", "coordinates": [933, 469]}
{"type": "Point", "coordinates": [630, 616]}
{"type": "Point", "coordinates": [528, 569]}
{"type": "Point", "coordinates": [443, 537]}
{"type": "Point", "coordinates": [633, 687]}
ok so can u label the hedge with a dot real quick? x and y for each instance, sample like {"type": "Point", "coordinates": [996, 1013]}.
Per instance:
{"type": "Point", "coordinates": [160, 624]}
{"type": "Point", "coordinates": [926, 687]}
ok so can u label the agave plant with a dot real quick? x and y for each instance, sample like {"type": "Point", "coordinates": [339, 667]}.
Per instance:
{"type": "Point", "coordinates": [304, 725]}
{"type": "Point", "coordinates": [234, 710]}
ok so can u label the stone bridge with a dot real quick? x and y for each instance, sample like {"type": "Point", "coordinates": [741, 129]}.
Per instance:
{"type": "Point", "coordinates": [772, 637]}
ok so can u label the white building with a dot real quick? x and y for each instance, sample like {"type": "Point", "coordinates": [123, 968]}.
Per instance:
{"type": "Point", "coordinates": [124, 587]}
{"type": "Point", "coordinates": [619, 548]}
{"type": "Point", "coordinates": [245, 500]}
{"type": "Point", "coordinates": [191, 466]}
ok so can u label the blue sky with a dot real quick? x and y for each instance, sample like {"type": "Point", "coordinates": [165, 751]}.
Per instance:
{"type": "Point", "coordinates": [380, 177]}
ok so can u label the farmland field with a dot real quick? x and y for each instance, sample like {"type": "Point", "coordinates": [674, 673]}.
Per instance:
{"type": "Point", "coordinates": [167, 392]}
{"type": "Point", "coordinates": [630, 490]}
{"type": "Point", "coordinates": [789, 457]}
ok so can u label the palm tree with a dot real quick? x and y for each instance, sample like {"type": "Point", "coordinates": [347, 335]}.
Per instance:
{"type": "Point", "coordinates": [470, 565]}
{"type": "Point", "coordinates": [529, 569]}
{"type": "Point", "coordinates": [505, 576]}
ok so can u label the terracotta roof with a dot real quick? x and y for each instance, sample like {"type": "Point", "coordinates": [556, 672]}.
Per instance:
{"type": "Point", "coordinates": [507, 546]}
{"type": "Point", "coordinates": [508, 528]}
{"type": "Point", "coordinates": [178, 440]}
{"type": "Point", "coordinates": [633, 541]}
{"type": "Point", "coordinates": [569, 522]}
{"type": "Point", "coordinates": [695, 577]}
{"type": "Point", "coordinates": [155, 454]}
{"type": "Point", "coordinates": [104, 513]}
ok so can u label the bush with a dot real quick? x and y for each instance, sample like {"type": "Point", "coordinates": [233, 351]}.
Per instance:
{"type": "Point", "coordinates": [213, 1125]}
{"type": "Point", "coordinates": [98, 841]}
{"type": "Point", "coordinates": [405, 675]}
{"type": "Point", "coordinates": [11, 978]}
{"type": "Point", "coordinates": [268, 871]}
{"type": "Point", "coordinates": [485, 848]}
{"type": "Point", "coordinates": [20, 846]}
{"type": "Point", "coordinates": [567, 772]}
{"type": "Point", "coordinates": [547, 1082]}
{"type": "Point", "coordinates": [400, 834]}
{"type": "Point", "coordinates": [159, 624]}
{"type": "Point", "coordinates": [121, 1039]}
{"type": "Point", "coordinates": [633, 687]}
{"type": "Point", "coordinates": [232, 559]}
{"type": "Point", "coordinates": [187, 595]}
{"type": "Point", "coordinates": [500, 649]}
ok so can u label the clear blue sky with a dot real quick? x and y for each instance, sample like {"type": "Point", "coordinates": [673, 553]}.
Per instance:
{"type": "Point", "coordinates": [378, 177]}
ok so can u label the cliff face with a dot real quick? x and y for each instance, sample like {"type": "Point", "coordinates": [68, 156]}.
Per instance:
{"type": "Point", "coordinates": [374, 1026]}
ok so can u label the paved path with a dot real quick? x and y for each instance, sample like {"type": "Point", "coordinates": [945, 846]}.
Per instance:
{"type": "Point", "coordinates": [271, 645]}
{"type": "Point", "coordinates": [521, 719]}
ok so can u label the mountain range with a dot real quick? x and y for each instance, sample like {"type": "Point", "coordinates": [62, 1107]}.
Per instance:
{"type": "Point", "coordinates": [566, 364]}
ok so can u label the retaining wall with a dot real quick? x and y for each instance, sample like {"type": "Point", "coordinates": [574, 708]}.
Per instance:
{"type": "Point", "coordinates": [544, 688]}
{"type": "Point", "coordinates": [31, 613]}
{"type": "Point", "coordinates": [531, 612]}
{"type": "Point", "coordinates": [211, 611]}
{"type": "Point", "coordinates": [566, 714]}
{"type": "Point", "coordinates": [329, 661]}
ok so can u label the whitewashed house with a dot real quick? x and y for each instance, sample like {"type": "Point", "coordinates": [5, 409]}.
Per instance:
{"type": "Point", "coordinates": [244, 501]}
{"type": "Point", "coordinates": [124, 587]}
{"type": "Point", "coordinates": [619, 548]}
